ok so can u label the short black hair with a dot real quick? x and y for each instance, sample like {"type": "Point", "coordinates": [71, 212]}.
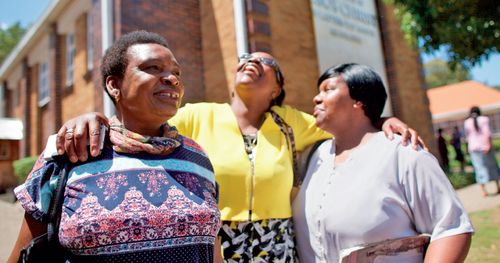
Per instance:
{"type": "Point", "coordinates": [281, 82]}
{"type": "Point", "coordinates": [114, 61]}
{"type": "Point", "coordinates": [364, 84]}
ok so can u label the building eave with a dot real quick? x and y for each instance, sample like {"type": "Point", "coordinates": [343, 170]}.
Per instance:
{"type": "Point", "coordinates": [29, 39]}
{"type": "Point", "coordinates": [463, 113]}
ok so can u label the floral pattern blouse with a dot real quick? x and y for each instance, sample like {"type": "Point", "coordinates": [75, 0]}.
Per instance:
{"type": "Point", "coordinates": [132, 207]}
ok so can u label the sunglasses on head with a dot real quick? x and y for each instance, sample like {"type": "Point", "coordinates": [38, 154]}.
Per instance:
{"type": "Point", "coordinates": [245, 57]}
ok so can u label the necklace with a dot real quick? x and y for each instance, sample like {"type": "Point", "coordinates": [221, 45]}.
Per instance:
{"type": "Point", "coordinates": [250, 141]}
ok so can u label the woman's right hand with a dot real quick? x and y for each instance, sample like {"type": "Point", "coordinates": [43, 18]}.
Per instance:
{"type": "Point", "coordinates": [74, 135]}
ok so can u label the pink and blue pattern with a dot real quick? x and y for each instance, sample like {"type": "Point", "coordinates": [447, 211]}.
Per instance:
{"type": "Point", "coordinates": [121, 207]}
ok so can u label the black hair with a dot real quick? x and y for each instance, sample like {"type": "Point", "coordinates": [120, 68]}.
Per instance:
{"type": "Point", "coordinates": [114, 61]}
{"type": "Point", "coordinates": [364, 86]}
{"type": "Point", "coordinates": [474, 113]}
{"type": "Point", "coordinates": [281, 82]}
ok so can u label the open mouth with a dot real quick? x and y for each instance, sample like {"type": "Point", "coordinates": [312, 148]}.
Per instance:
{"type": "Point", "coordinates": [252, 67]}
{"type": "Point", "coordinates": [168, 94]}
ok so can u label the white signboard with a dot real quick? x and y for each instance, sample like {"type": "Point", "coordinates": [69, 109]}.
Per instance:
{"type": "Point", "coordinates": [348, 31]}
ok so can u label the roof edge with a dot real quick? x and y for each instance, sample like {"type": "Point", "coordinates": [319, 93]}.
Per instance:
{"type": "Point", "coordinates": [459, 114]}
{"type": "Point", "coordinates": [29, 37]}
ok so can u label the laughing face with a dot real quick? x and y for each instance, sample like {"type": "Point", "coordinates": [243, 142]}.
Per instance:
{"type": "Point", "coordinates": [334, 105]}
{"type": "Point", "coordinates": [256, 74]}
{"type": "Point", "coordinates": [151, 89]}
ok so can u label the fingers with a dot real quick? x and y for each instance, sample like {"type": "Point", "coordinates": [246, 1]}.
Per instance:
{"type": "Point", "coordinates": [80, 141]}
{"type": "Point", "coordinates": [389, 134]}
{"type": "Point", "coordinates": [405, 136]}
{"type": "Point", "coordinates": [60, 140]}
{"type": "Point", "coordinates": [95, 136]}
{"type": "Point", "coordinates": [69, 146]}
{"type": "Point", "coordinates": [422, 143]}
{"type": "Point", "coordinates": [413, 138]}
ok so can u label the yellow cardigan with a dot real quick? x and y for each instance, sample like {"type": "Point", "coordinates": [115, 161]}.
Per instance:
{"type": "Point", "coordinates": [215, 128]}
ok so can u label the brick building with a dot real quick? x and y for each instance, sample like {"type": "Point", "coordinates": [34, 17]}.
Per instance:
{"type": "Point", "coordinates": [52, 75]}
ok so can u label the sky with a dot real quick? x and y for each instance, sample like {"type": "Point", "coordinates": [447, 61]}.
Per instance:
{"type": "Point", "coordinates": [27, 11]}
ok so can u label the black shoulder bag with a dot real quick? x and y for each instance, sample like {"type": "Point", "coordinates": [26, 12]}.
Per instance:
{"type": "Point", "coordinates": [46, 247]}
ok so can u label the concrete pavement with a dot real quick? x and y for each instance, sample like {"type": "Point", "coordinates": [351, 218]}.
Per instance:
{"type": "Point", "coordinates": [11, 214]}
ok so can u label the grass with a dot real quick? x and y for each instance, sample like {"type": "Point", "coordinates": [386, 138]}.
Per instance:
{"type": "Point", "coordinates": [485, 247]}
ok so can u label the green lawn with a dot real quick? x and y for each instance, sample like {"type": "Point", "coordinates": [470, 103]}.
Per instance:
{"type": "Point", "coordinates": [485, 246]}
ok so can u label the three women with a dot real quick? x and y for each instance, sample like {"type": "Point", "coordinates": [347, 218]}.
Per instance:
{"type": "Point", "coordinates": [252, 143]}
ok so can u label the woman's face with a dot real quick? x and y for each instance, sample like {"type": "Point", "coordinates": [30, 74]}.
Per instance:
{"type": "Point", "coordinates": [257, 75]}
{"type": "Point", "coordinates": [334, 105]}
{"type": "Point", "coordinates": [151, 89]}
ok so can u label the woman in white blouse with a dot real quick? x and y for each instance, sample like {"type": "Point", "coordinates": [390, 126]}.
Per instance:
{"type": "Point", "coordinates": [361, 188]}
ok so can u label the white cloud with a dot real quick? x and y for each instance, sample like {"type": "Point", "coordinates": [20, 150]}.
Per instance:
{"type": "Point", "coordinates": [3, 25]}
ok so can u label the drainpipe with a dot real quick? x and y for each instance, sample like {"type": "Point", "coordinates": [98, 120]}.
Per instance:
{"type": "Point", "coordinates": [2, 87]}
{"type": "Point", "coordinates": [107, 40]}
{"type": "Point", "coordinates": [240, 25]}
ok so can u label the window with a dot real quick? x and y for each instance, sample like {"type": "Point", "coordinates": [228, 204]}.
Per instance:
{"type": "Point", "coordinates": [43, 84]}
{"type": "Point", "coordinates": [90, 44]}
{"type": "Point", "coordinates": [70, 57]}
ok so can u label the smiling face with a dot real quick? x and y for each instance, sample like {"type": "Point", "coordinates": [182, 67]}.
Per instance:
{"type": "Point", "coordinates": [334, 106]}
{"type": "Point", "coordinates": [151, 89]}
{"type": "Point", "coordinates": [254, 75]}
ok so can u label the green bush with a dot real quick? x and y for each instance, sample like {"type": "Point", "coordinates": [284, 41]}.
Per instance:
{"type": "Point", "coordinates": [22, 167]}
{"type": "Point", "coordinates": [460, 180]}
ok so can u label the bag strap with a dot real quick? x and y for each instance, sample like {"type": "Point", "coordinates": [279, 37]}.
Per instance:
{"type": "Point", "coordinates": [290, 141]}
{"type": "Point", "coordinates": [56, 202]}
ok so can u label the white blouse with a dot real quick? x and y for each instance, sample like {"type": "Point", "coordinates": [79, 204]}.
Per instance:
{"type": "Point", "coordinates": [382, 191]}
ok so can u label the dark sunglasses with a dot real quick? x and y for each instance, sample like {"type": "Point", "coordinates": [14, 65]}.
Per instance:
{"type": "Point", "coordinates": [245, 57]}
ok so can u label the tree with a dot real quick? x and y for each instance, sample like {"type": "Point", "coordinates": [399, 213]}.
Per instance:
{"type": "Point", "coordinates": [9, 38]}
{"type": "Point", "coordinates": [469, 29]}
{"type": "Point", "coordinates": [438, 73]}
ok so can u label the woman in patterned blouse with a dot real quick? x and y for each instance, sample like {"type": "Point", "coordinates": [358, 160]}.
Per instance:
{"type": "Point", "coordinates": [151, 195]}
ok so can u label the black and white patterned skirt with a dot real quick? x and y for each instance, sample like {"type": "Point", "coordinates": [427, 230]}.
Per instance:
{"type": "Point", "coordinates": [269, 240]}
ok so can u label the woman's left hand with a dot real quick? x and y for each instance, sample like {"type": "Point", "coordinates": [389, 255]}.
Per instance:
{"type": "Point", "coordinates": [393, 125]}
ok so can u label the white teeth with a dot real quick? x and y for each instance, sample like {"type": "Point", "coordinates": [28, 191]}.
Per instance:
{"type": "Point", "coordinates": [171, 95]}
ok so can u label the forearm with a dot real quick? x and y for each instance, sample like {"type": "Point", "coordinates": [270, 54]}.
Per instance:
{"type": "Point", "coordinates": [449, 249]}
{"type": "Point", "coordinates": [30, 228]}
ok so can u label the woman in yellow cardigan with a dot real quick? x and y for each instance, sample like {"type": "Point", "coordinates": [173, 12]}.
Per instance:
{"type": "Point", "coordinates": [250, 143]}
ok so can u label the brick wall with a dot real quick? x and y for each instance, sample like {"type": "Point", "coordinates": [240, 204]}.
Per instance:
{"type": "Point", "coordinates": [218, 49]}
{"type": "Point", "coordinates": [293, 43]}
{"type": "Point", "coordinates": [56, 68]}
{"type": "Point", "coordinates": [179, 22]}
{"type": "Point", "coordinates": [79, 98]}
{"type": "Point", "coordinates": [405, 76]}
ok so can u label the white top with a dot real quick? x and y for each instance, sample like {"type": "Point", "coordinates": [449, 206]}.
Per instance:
{"type": "Point", "coordinates": [383, 191]}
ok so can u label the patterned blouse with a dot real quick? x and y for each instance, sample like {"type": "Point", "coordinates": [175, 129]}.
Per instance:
{"type": "Point", "coordinates": [132, 207]}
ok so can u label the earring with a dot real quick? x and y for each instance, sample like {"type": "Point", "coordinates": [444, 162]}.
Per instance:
{"type": "Point", "coordinates": [116, 96]}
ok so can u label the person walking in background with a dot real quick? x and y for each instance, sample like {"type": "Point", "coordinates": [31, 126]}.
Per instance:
{"type": "Point", "coordinates": [482, 153]}
{"type": "Point", "coordinates": [443, 150]}
{"type": "Point", "coordinates": [456, 142]}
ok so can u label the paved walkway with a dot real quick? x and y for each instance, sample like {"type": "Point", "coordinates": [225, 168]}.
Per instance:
{"type": "Point", "coordinates": [12, 213]}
